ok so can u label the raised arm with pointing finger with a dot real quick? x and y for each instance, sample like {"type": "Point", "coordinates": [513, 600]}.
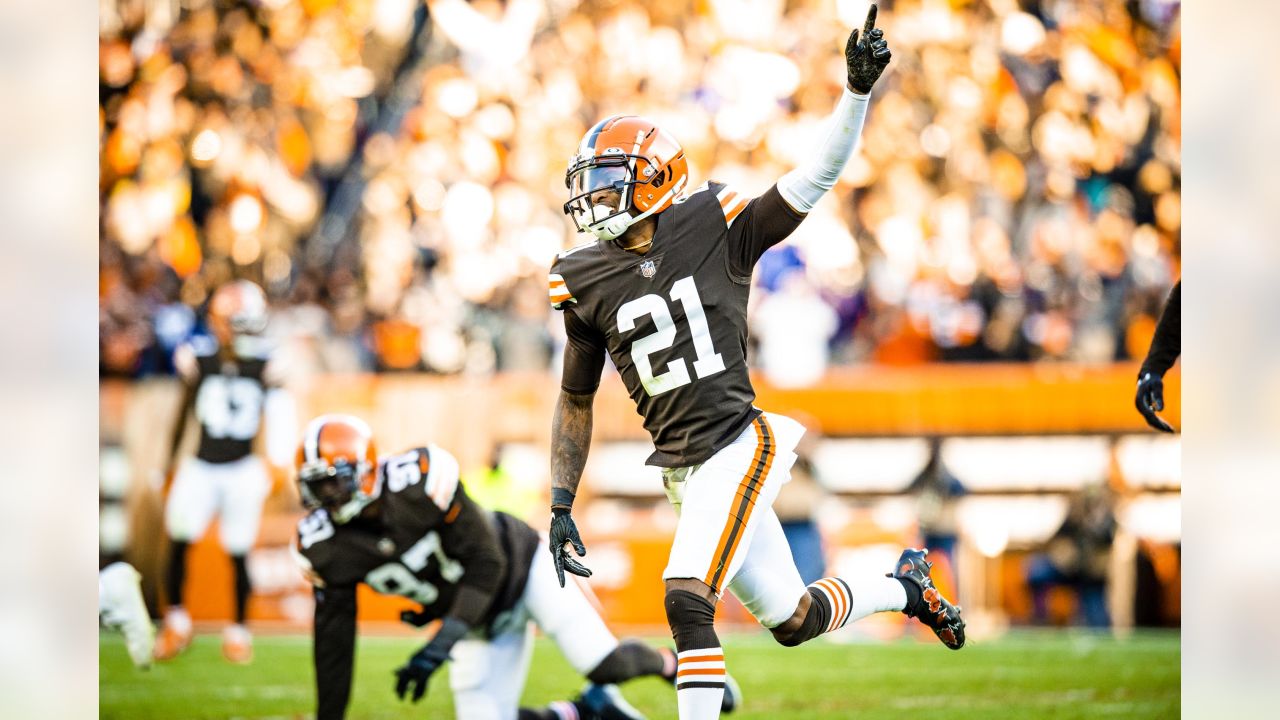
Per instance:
{"type": "Point", "coordinates": [663, 291]}
{"type": "Point", "coordinates": [619, 187]}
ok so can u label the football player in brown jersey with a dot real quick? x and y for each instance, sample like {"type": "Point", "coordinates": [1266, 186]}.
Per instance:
{"type": "Point", "coordinates": [230, 383]}
{"type": "Point", "coordinates": [662, 290]}
{"type": "Point", "coordinates": [404, 525]}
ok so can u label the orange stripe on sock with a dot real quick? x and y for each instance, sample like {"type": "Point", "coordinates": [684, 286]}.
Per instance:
{"type": "Point", "coordinates": [837, 601]}
{"type": "Point", "coordinates": [701, 671]}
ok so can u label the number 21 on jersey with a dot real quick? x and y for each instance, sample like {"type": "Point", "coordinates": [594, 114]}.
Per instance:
{"type": "Point", "coordinates": [709, 361]}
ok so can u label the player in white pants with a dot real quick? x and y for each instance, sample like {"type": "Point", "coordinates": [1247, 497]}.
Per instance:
{"type": "Point", "coordinates": [663, 292]}
{"type": "Point", "coordinates": [487, 676]}
{"type": "Point", "coordinates": [404, 525]}
{"type": "Point", "coordinates": [230, 386]}
{"type": "Point", "coordinates": [233, 491]}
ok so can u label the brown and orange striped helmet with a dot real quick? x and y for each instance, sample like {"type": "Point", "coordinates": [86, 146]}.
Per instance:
{"type": "Point", "coordinates": [337, 466]}
{"type": "Point", "coordinates": [632, 156]}
{"type": "Point", "coordinates": [237, 308]}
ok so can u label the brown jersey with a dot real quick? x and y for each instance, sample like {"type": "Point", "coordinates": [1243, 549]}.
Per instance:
{"type": "Point", "coordinates": [229, 396]}
{"type": "Point", "coordinates": [674, 320]}
{"type": "Point", "coordinates": [429, 543]}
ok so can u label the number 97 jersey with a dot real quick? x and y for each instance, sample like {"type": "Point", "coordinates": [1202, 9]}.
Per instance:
{"type": "Point", "coordinates": [427, 536]}
{"type": "Point", "coordinates": [674, 320]}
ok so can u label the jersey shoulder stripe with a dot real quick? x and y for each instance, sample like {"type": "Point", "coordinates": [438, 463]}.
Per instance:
{"type": "Point", "coordinates": [558, 291]}
{"type": "Point", "coordinates": [732, 203]}
{"type": "Point", "coordinates": [442, 476]}
{"type": "Point", "coordinates": [558, 287]}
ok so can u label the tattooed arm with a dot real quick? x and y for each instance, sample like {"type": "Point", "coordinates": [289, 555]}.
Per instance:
{"type": "Point", "coordinates": [584, 354]}
{"type": "Point", "coordinates": [570, 441]}
{"type": "Point", "coordinates": [571, 438]}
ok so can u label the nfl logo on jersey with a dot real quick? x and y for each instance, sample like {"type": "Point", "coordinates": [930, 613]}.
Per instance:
{"type": "Point", "coordinates": [647, 268]}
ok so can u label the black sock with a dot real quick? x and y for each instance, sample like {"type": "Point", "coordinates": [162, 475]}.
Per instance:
{"type": "Point", "coordinates": [243, 587]}
{"type": "Point", "coordinates": [700, 675]}
{"type": "Point", "coordinates": [547, 713]}
{"type": "Point", "coordinates": [631, 659]}
{"type": "Point", "coordinates": [177, 573]}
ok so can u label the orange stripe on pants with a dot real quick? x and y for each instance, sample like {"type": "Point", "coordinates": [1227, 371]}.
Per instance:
{"type": "Point", "coordinates": [735, 525]}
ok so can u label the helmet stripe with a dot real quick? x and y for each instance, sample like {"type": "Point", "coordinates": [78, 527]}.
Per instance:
{"type": "Point", "coordinates": [312, 441]}
{"type": "Point", "coordinates": [588, 146]}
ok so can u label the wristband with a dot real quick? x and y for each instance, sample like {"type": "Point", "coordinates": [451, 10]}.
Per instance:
{"type": "Point", "coordinates": [561, 500]}
{"type": "Point", "coordinates": [451, 631]}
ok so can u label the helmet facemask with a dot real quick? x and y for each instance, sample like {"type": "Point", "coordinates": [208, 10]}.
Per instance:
{"type": "Point", "coordinates": [588, 177]}
{"type": "Point", "coordinates": [338, 488]}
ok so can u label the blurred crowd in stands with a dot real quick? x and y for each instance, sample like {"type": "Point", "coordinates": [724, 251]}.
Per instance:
{"type": "Point", "coordinates": [1015, 195]}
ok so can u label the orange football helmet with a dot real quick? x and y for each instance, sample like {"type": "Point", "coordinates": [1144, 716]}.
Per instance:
{"type": "Point", "coordinates": [237, 308]}
{"type": "Point", "coordinates": [633, 156]}
{"type": "Point", "coordinates": [337, 466]}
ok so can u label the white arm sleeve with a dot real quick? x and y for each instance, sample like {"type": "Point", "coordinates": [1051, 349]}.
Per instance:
{"type": "Point", "coordinates": [804, 186]}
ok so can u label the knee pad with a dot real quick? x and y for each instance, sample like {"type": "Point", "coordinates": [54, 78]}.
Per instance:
{"type": "Point", "coordinates": [692, 619]}
{"type": "Point", "coordinates": [815, 621]}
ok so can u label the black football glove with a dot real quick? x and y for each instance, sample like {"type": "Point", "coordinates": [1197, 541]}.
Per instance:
{"type": "Point", "coordinates": [866, 57]}
{"type": "Point", "coordinates": [1150, 400]}
{"type": "Point", "coordinates": [418, 671]}
{"type": "Point", "coordinates": [563, 530]}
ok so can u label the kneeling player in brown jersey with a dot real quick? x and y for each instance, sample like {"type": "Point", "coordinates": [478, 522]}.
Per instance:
{"type": "Point", "coordinates": [404, 525]}
{"type": "Point", "coordinates": [663, 291]}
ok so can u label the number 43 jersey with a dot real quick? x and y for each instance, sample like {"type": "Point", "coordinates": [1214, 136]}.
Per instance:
{"type": "Point", "coordinates": [230, 394]}
{"type": "Point", "coordinates": [429, 543]}
{"type": "Point", "coordinates": [674, 320]}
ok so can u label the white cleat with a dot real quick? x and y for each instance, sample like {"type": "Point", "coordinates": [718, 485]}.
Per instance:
{"type": "Point", "coordinates": [120, 606]}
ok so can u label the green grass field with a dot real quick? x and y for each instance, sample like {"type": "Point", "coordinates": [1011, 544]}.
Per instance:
{"type": "Point", "coordinates": [1024, 675]}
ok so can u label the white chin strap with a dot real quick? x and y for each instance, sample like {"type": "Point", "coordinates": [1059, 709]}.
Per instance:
{"type": "Point", "coordinates": [609, 228]}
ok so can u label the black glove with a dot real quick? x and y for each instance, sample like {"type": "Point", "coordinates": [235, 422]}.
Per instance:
{"type": "Point", "coordinates": [428, 659]}
{"type": "Point", "coordinates": [418, 671]}
{"type": "Point", "coordinates": [867, 58]}
{"type": "Point", "coordinates": [1150, 400]}
{"type": "Point", "coordinates": [563, 530]}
